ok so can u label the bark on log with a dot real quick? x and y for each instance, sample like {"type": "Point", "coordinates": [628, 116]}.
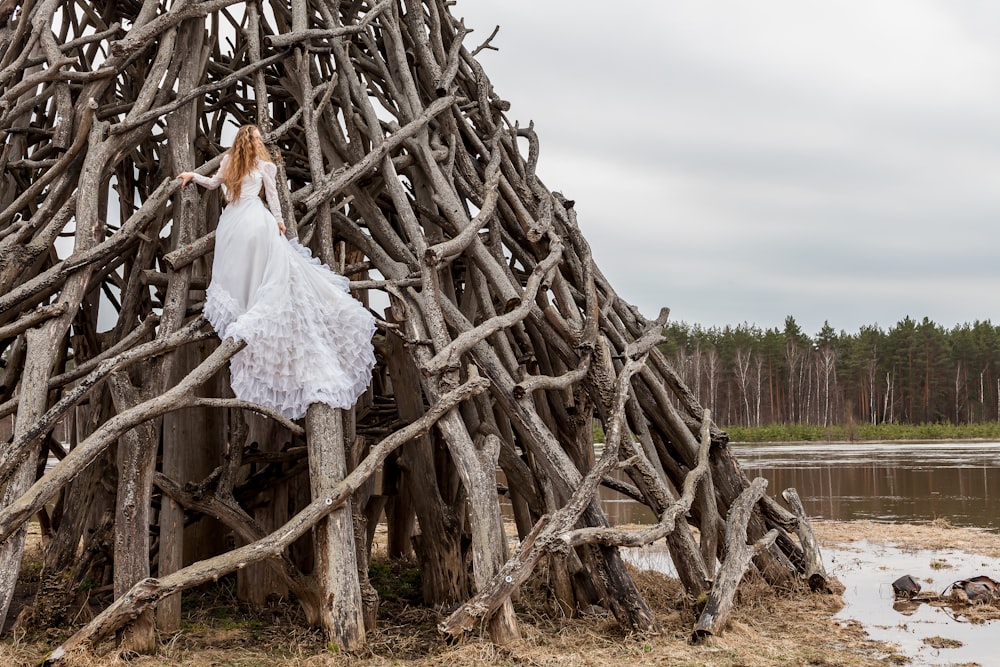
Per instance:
{"type": "Point", "coordinates": [336, 569]}
{"type": "Point", "coordinates": [738, 554]}
{"type": "Point", "coordinates": [813, 570]}
{"type": "Point", "coordinates": [136, 467]}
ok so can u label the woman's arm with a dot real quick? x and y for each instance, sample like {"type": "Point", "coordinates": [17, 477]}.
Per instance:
{"type": "Point", "coordinates": [209, 182]}
{"type": "Point", "coordinates": [270, 173]}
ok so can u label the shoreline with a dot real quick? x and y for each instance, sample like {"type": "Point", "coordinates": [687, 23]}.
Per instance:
{"type": "Point", "coordinates": [932, 535]}
{"type": "Point", "coordinates": [836, 441]}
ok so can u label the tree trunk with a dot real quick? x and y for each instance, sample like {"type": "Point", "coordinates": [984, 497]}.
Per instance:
{"type": "Point", "coordinates": [136, 466]}
{"type": "Point", "coordinates": [336, 567]}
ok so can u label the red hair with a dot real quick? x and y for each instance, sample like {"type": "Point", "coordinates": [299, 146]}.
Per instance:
{"type": "Point", "coordinates": [247, 149]}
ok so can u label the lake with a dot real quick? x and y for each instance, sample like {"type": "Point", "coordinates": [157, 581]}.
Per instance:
{"type": "Point", "coordinates": [899, 482]}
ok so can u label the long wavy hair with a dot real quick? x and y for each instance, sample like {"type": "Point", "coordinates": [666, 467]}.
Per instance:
{"type": "Point", "coordinates": [246, 150]}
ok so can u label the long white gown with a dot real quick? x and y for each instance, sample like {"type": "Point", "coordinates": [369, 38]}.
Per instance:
{"type": "Point", "coordinates": [308, 340]}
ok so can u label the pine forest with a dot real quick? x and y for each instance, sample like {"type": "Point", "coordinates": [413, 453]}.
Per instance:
{"type": "Point", "coordinates": [916, 372]}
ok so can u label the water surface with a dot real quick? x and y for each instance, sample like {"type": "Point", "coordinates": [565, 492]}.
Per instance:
{"type": "Point", "coordinates": [900, 482]}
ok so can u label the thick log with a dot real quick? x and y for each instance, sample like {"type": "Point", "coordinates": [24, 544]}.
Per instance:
{"type": "Point", "coordinates": [812, 569]}
{"type": "Point", "coordinates": [738, 554]}
{"type": "Point", "coordinates": [136, 466]}
{"type": "Point", "coordinates": [32, 404]}
{"type": "Point", "coordinates": [336, 569]}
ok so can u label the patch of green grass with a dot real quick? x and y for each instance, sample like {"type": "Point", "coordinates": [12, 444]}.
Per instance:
{"type": "Point", "coordinates": [863, 432]}
{"type": "Point", "coordinates": [598, 432]}
{"type": "Point", "coordinates": [396, 580]}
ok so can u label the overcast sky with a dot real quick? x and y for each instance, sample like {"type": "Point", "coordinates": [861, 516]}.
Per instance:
{"type": "Point", "coordinates": [744, 161]}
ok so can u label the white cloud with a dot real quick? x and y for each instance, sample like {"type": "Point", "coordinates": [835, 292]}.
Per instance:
{"type": "Point", "coordinates": [745, 161]}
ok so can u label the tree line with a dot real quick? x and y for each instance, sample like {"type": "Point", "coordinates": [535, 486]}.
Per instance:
{"type": "Point", "coordinates": [915, 372]}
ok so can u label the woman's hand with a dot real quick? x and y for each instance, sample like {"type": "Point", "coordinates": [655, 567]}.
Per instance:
{"type": "Point", "coordinates": [186, 177]}
{"type": "Point", "coordinates": [281, 228]}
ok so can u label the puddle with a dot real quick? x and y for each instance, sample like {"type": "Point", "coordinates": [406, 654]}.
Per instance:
{"type": "Point", "coordinates": [867, 571]}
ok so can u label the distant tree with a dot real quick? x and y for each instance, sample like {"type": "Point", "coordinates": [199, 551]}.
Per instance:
{"type": "Point", "coordinates": [914, 372]}
{"type": "Point", "coordinates": [796, 345]}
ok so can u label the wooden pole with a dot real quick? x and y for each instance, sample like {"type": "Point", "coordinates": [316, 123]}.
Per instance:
{"type": "Point", "coordinates": [336, 567]}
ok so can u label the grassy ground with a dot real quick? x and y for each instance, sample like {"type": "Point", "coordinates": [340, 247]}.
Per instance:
{"type": "Point", "coordinates": [854, 432]}
{"type": "Point", "coordinates": [767, 629]}
{"type": "Point", "coordinates": [864, 432]}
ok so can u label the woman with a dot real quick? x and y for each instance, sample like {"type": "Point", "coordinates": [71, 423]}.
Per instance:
{"type": "Point", "coordinates": [308, 341]}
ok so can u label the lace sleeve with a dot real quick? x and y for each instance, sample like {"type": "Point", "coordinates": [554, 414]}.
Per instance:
{"type": "Point", "coordinates": [215, 180]}
{"type": "Point", "coordinates": [270, 172]}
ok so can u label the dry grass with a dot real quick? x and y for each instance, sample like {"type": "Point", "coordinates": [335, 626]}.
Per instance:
{"type": "Point", "coordinates": [768, 628]}
{"type": "Point", "coordinates": [937, 534]}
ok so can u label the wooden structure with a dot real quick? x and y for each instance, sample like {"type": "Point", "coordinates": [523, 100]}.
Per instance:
{"type": "Point", "coordinates": [499, 340]}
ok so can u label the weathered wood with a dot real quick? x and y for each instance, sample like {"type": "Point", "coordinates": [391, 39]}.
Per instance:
{"type": "Point", "coordinates": [813, 571]}
{"type": "Point", "coordinates": [33, 318]}
{"type": "Point", "coordinates": [38, 369]}
{"type": "Point", "coordinates": [255, 583]}
{"type": "Point", "coordinates": [548, 531]}
{"type": "Point", "coordinates": [149, 591]}
{"type": "Point", "coordinates": [443, 576]}
{"type": "Point", "coordinates": [14, 515]}
{"type": "Point", "coordinates": [336, 569]}
{"type": "Point", "coordinates": [738, 554]}
{"type": "Point", "coordinates": [32, 404]}
{"type": "Point", "coordinates": [136, 466]}
{"type": "Point", "coordinates": [233, 517]}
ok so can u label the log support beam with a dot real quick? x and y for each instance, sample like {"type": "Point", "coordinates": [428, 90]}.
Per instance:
{"type": "Point", "coordinates": [336, 568]}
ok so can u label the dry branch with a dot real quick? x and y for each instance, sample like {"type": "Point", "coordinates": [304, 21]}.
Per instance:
{"type": "Point", "coordinates": [146, 593]}
{"type": "Point", "coordinates": [813, 571]}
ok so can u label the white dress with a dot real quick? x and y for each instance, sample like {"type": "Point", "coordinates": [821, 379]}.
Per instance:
{"type": "Point", "coordinates": [308, 340]}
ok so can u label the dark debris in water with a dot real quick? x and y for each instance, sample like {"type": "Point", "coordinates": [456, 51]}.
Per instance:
{"type": "Point", "coordinates": [905, 587]}
{"type": "Point", "coordinates": [978, 590]}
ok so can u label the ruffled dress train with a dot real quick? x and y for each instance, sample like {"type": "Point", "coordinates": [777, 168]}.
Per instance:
{"type": "Point", "coordinates": [308, 340]}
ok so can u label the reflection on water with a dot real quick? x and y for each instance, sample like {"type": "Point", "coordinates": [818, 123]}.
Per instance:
{"type": "Point", "coordinates": [883, 481]}
{"type": "Point", "coordinates": [886, 481]}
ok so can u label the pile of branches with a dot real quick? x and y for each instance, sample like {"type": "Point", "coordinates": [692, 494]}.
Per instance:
{"type": "Point", "coordinates": [499, 344]}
